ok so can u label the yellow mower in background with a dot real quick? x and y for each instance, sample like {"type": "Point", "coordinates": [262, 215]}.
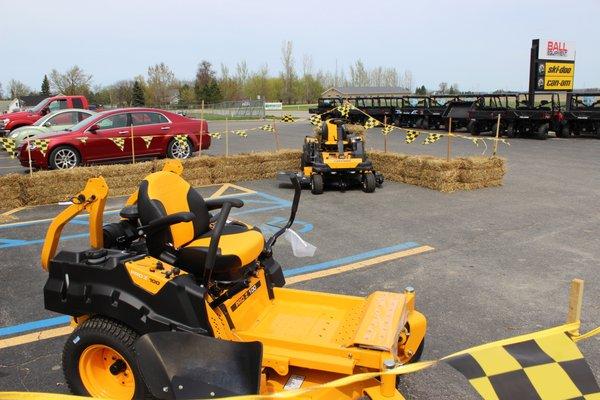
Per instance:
{"type": "Point", "coordinates": [336, 155]}
{"type": "Point", "coordinates": [178, 301]}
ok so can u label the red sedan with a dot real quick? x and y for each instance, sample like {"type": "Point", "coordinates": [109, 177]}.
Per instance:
{"type": "Point", "coordinates": [118, 135]}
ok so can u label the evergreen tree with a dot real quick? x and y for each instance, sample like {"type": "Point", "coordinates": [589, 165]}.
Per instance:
{"type": "Point", "coordinates": [139, 100]}
{"type": "Point", "coordinates": [45, 87]}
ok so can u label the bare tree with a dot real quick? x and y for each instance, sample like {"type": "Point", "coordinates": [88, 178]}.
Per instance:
{"type": "Point", "coordinates": [72, 82]}
{"type": "Point", "coordinates": [307, 78]}
{"type": "Point", "coordinates": [17, 89]}
{"type": "Point", "coordinates": [407, 80]}
{"type": "Point", "coordinates": [161, 81]}
{"type": "Point", "coordinates": [443, 87]}
{"type": "Point", "coordinates": [1, 91]}
{"type": "Point", "coordinates": [359, 76]}
{"type": "Point", "coordinates": [289, 74]}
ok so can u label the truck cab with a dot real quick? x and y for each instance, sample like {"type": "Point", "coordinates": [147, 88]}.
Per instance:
{"type": "Point", "coordinates": [14, 120]}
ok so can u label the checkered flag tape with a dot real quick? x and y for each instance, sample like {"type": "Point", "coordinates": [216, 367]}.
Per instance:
{"type": "Point", "coordinates": [82, 139]}
{"type": "Point", "coordinates": [9, 146]}
{"type": "Point", "coordinates": [344, 109]}
{"type": "Point", "coordinates": [120, 142]}
{"type": "Point", "coordinates": [181, 139]}
{"type": "Point", "coordinates": [371, 123]}
{"type": "Point", "coordinates": [432, 138]}
{"type": "Point", "coordinates": [41, 144]}
{"type": "Point", "coordinates": [267, 128]}
{"type": "Point", "coordinates": [241, 133]}
{"type": "Point", "coordinates": [287, 118]}
{"type": "Point", "coordinates": [316, 120]}
{"type": "Point", "coordinates": [147, 140]}
{"type": "Point", "coordinates": [387, 129]}
{"type": "Point", "coordinates": [475, 141]}
{"type": "Point", "coordinates": [411, 136]}
{"type": "Point", "coordinates": [537, 366]}
{"type": "Point", "coordinates": [215, 135]}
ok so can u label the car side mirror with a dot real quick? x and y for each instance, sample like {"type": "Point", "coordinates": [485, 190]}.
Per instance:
{"type": "Point", "coordinates": [94, 128]}
{"type": "Point", "coordinates": [47, 124]}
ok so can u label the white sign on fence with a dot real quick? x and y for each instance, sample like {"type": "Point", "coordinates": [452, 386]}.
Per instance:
{"type": "Point", "coordinates": [273, 106]}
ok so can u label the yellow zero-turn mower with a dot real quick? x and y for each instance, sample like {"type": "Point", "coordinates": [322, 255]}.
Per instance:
{"type": "Point", "coordinates": [177, 301]}
{"type": "Point", "coordinates": [338, 156]}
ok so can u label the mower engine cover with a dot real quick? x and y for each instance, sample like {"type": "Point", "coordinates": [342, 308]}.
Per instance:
{"type": "Point", "coordinates": [182, 365]}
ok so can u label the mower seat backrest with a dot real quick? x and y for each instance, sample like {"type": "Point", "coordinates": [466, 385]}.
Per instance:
{"type": "Point", "coordinates": [163, 193]}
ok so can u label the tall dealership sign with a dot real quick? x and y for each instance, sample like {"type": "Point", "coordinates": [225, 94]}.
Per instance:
{"type": "Point", "coordinates": [552, 66]}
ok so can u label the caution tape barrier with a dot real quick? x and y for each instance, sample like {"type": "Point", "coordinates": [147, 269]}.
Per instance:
{"type": "Point", "coordinates": [548, 359]}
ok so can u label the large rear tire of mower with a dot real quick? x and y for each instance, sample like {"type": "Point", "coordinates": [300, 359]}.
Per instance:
{"type": "Point", "coordinates": [99, 361]}
{"type": "Point", "coordinates": [316, 184]}
{"type": "Point", "coordinates": [369, 183]}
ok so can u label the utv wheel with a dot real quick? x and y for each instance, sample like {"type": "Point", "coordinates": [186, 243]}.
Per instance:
{"type": "Point", "coordinates": [510, 131]}
{"type": "Point", "coordinates": [180, 149]}
{"type": "Point", "coordinates": [99, 361]}
{"type": "Point", "coordinates": [565, 131]}
{"type": "Point", "coordinates": [473, 128]}
{"type": "Point", "coordinates": [542, 132]}
{"type": "Point", "coordinates": [64, 157]}
{"type": "Point", "coordinates": [369, 182]}
{"type": "Point", "coordinates": [316, 184]}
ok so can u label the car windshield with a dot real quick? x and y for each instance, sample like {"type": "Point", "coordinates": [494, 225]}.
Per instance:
{"type": "Point", "coordinates": [81, 124]}
{"type": "Point", "coordinates": [39, 105]}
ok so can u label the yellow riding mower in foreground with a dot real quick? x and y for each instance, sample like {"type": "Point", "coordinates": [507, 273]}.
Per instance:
{"type": "Point", "coordinates": [175, 302]}
{"type": "Point", "coordinates": [336, 155]}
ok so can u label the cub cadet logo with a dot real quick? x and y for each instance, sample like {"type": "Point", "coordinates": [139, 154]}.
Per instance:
{"type": "Point", "coordinates": [557, 49]}
{"type": "Point", "coordinates": [145, 277]}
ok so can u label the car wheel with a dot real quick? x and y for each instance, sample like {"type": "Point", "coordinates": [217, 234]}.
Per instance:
{"type": "Point", "coordinates": [99, 361]}
{"type": "Point", "coordinates": [64, 157]}
{"type": "Point", "coordinates": [316, 184]}
{"type": "Point", "coordinates": [180, 149]}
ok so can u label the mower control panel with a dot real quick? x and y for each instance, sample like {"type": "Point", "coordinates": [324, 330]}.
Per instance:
{"type": "Point", "coordinates": [151, 274]}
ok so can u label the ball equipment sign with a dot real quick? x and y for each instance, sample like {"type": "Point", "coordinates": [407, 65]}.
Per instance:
{"type": "Point", "coordinates": [552, 66]}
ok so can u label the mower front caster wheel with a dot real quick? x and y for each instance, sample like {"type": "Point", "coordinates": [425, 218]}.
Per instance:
{"type": "Point", "coordinates": [316, 184]}
{"type": "Point", "coordinates": [369, 183]}
{"type": "Point", "coordinates": [99, 361]}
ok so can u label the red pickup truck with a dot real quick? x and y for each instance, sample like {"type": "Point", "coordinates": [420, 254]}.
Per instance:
{"type": "Point", "coordinates": [14, 120]}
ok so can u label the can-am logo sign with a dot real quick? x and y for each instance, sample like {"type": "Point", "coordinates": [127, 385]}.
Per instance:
{"type": "Point", "coordinates": [556, 50]}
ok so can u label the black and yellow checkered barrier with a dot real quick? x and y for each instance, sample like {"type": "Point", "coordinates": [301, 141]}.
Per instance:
{"type": "Point", "coordinates": [544, 365]}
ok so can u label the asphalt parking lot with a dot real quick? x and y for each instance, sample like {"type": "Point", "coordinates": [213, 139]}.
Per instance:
{"type": "Point", "coordinates": [501, 262]}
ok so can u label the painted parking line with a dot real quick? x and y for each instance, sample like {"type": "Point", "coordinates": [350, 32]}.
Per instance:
{"type": "Point", "coordinates": [293, 275]}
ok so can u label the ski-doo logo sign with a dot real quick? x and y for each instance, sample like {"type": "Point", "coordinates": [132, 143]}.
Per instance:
{"type": "Point", "coordinates": [556, 50]}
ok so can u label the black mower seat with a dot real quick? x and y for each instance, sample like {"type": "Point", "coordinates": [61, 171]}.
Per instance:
{"type": "Point", "coordinates": [165, 193]}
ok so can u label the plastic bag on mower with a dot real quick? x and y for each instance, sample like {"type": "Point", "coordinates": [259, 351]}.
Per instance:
{"type": "Point", "coordinates": [300, 247]}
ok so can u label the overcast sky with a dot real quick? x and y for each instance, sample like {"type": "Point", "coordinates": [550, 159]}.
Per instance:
{"type": "Point", "coordinates": [480, 45]}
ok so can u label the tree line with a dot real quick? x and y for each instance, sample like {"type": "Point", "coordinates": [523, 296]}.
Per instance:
{"type": "Point", "coordinates": [160, 87]}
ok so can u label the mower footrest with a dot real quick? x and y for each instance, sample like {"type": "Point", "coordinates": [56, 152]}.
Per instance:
{"type": "Point", "coordinates": [384, 316]}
